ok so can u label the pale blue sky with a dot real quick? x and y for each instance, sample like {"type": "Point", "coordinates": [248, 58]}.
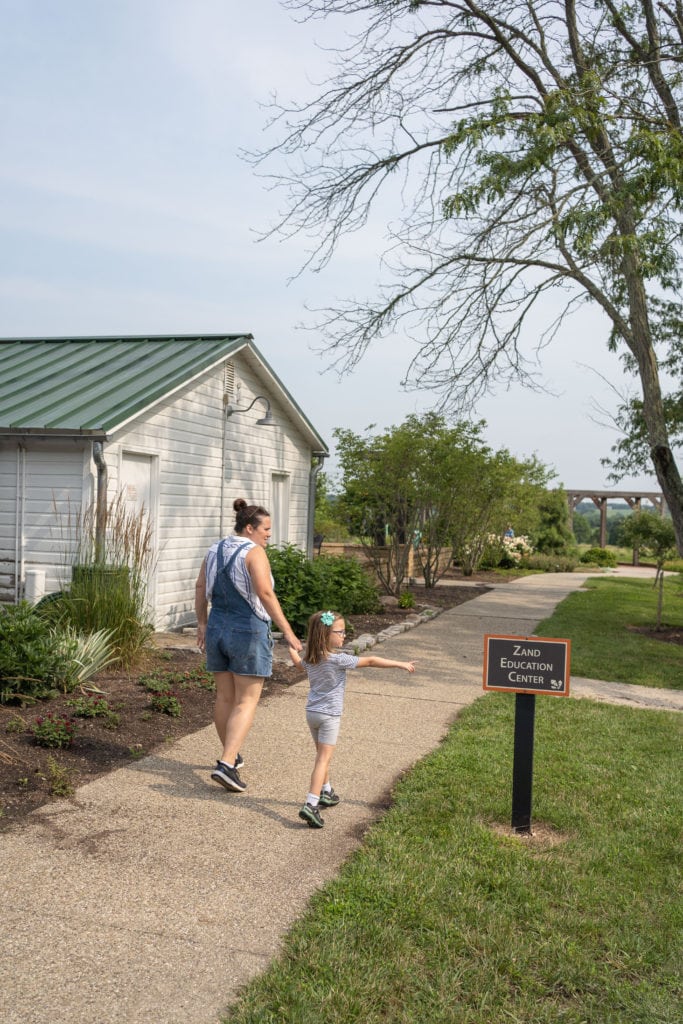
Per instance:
{"type": "Point", "coordinates": [125, 209]}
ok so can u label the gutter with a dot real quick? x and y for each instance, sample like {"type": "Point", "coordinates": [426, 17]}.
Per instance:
{"type": "Point", "coordinates": [101, 506]}
{"type": "Point", "coordinates": [312, 477]}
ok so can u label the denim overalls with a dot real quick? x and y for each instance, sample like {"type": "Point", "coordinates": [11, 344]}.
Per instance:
{"type": "Point", "coordinates": [237, 640]}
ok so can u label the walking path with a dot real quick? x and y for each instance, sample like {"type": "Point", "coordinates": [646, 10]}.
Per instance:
{"type": "Point", "coordinates": [152, 895]}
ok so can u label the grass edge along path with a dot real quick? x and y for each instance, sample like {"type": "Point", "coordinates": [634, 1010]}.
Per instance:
{"type": "Point", "coordinates": [443, 916]}
{"type": "Point", "coordinates": [597, 618]}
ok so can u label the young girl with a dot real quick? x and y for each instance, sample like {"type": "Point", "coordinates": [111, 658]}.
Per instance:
{"type": "Point", "coordinates": [326, 666]}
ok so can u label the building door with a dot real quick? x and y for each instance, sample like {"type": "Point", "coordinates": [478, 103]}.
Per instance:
{"type": "Point", "coordinates": [279, 509]}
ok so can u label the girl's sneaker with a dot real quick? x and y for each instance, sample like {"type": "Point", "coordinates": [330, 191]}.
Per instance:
{"type": "Point", "coordinates": [329, 799]}
{"type": "Point", "coordinates": [311, 815]}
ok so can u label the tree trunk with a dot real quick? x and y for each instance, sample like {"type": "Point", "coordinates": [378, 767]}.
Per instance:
{"type": "Point", "coordinates": [640, 344]}
{"type": "Point", "coordinates": [660, 596]}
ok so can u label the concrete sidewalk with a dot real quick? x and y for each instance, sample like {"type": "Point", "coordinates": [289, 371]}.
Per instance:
{"type": "Point", "coordinates": [152, 895]}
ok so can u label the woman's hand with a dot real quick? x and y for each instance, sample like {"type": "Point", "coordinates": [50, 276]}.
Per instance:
{"type": "Point", "coordinates": [293, 641]}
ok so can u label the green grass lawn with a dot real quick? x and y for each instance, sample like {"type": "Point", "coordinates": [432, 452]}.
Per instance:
{"type": "Point", "coordinates": [597, 618]}
{"type": "Point", "coordinates": [442, 918]}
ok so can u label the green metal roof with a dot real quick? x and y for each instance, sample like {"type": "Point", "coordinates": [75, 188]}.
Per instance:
{"type": "Point", "coordinates": [92, 386]}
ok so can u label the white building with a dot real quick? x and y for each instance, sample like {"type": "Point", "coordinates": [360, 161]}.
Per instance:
{"type": "Point", "coordinates": [179, 426]}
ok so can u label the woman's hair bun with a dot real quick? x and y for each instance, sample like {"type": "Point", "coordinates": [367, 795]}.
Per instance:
{"type": "Point", "coordinates": [238, 504]}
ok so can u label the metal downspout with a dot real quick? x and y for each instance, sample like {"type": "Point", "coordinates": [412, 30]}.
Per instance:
{"type": "Point", "coordinates": [20, 497]}
{"type": "Point", "coordinates": [101, 506]}
{"type": "Point", "coordinates": [315, 469]}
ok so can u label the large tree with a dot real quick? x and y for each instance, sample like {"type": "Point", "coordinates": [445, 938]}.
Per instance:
{"type": "Point", "coordinates": [435, 489]}
{"type": "Point", "coordinates": [536, 148]}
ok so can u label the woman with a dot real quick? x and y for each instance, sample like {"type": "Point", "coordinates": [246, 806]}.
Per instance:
{"type": "Point", "coordinates": [235, 577]}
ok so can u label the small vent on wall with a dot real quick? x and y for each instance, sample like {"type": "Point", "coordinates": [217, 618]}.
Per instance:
{"type": "Point", "coordinates": [228, 381]}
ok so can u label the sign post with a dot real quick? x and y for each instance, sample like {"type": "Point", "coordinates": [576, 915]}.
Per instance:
{"type": "Point", "coordinates": [525, 665]}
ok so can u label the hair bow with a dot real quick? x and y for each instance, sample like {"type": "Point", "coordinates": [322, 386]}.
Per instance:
{"type": "Point", "coordinates": [327, 618]}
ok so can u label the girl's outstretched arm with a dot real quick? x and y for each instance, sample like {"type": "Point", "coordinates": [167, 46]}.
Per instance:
{"type": "Point", "coordinates": [373, 662]}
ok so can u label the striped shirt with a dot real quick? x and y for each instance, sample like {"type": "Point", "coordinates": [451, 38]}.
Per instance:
{"type": "Point", "coordinates": [327, 680]}
{"type": "Point", "coordinates": [239, 574]}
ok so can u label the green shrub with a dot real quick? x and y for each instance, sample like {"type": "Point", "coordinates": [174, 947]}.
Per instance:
{"type": "Point", "coordinates": [330, 581]}
{"type": "Point", "coordinates": [549, 563]}
{"type": "Point", "coordinates": [95, 707]}
{"type": "Point", "coordinates": [406, 600]}
{"type": "Point", "coordinates": [167, 703]}
{"type": "Point", "coordinates": [344, 585]}
{"type": "Point", "coordinates": [599, 556]}
{"type": "Point", "coordinates": [30, 659]}
{"type": "Point", "coordinates": [37, 658]}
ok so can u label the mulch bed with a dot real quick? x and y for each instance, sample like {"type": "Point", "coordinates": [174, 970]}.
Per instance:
{"type": "Point", "coordinates": [31, 775]}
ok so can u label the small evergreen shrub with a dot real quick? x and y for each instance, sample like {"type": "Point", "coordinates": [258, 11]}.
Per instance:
{"type": "Point", "coordinates": [599, 556]}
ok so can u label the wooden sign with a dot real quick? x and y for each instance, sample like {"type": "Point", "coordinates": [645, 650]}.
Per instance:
{"type": "Point", "coordinates": [526, 664]}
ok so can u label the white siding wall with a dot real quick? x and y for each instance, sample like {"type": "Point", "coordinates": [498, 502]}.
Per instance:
{"type": "Point", "coordinates": [42, 488]}
{"type": "Point", "coordinates": [8, 515]}
{"type": "Point", "coordinates": [186, 434]}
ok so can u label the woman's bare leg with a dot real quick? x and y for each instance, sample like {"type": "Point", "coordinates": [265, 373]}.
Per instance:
{"type": "Point", "coordinates": [241, 717]}
{"type": "Point", "coordinates": [225, 702]}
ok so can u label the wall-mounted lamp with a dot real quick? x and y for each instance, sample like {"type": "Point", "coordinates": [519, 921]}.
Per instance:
{"type": "Point", "coordinates": [265, 421]}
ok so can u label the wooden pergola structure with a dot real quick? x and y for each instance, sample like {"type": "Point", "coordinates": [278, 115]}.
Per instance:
{"type": "Point", "coordinates": [600, 499]}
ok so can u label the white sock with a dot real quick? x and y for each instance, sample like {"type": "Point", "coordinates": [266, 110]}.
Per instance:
{"type": "Point", "coordinates": [312, 799]}
{"type": "Point", "coordinates": [327, 788]}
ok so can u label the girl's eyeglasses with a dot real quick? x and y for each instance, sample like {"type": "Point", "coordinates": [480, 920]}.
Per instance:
{"type": "Point", "coordinates": [342, 632]}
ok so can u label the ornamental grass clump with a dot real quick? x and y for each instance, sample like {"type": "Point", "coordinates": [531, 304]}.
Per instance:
{"type": "Point", "coordinates": [109, 574]}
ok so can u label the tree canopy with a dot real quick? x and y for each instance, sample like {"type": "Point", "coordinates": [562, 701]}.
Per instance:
{"type": "Point", "coordinates": [536, 147]}
{"type": "Point", "coordinates": [434, 489]}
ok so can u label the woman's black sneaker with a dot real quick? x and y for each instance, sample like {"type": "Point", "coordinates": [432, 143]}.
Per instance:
{"type": "Point", "coordinates": [311, 815]}
{"type": "Point", "coordinates": [228, 777]}
{"type": "Point", "coordinates": [328, 799]}
{"type": "Point", "coordinates": [239, 761]}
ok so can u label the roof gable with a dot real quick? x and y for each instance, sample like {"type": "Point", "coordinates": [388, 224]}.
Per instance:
{"type": "Point", "coordinates": [92, 386]}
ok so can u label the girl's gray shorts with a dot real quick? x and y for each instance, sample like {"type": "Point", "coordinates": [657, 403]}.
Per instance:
{"type": "Point", "coordinates": [324, 728]}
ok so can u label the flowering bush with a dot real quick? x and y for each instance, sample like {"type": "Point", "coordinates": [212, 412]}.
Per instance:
{"type": "Point", "coordinates": [54, 731]}
{"type": "Point", "coordinates": [516, 548]}
{"type": "Point", "coordinates": [506, 552]}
